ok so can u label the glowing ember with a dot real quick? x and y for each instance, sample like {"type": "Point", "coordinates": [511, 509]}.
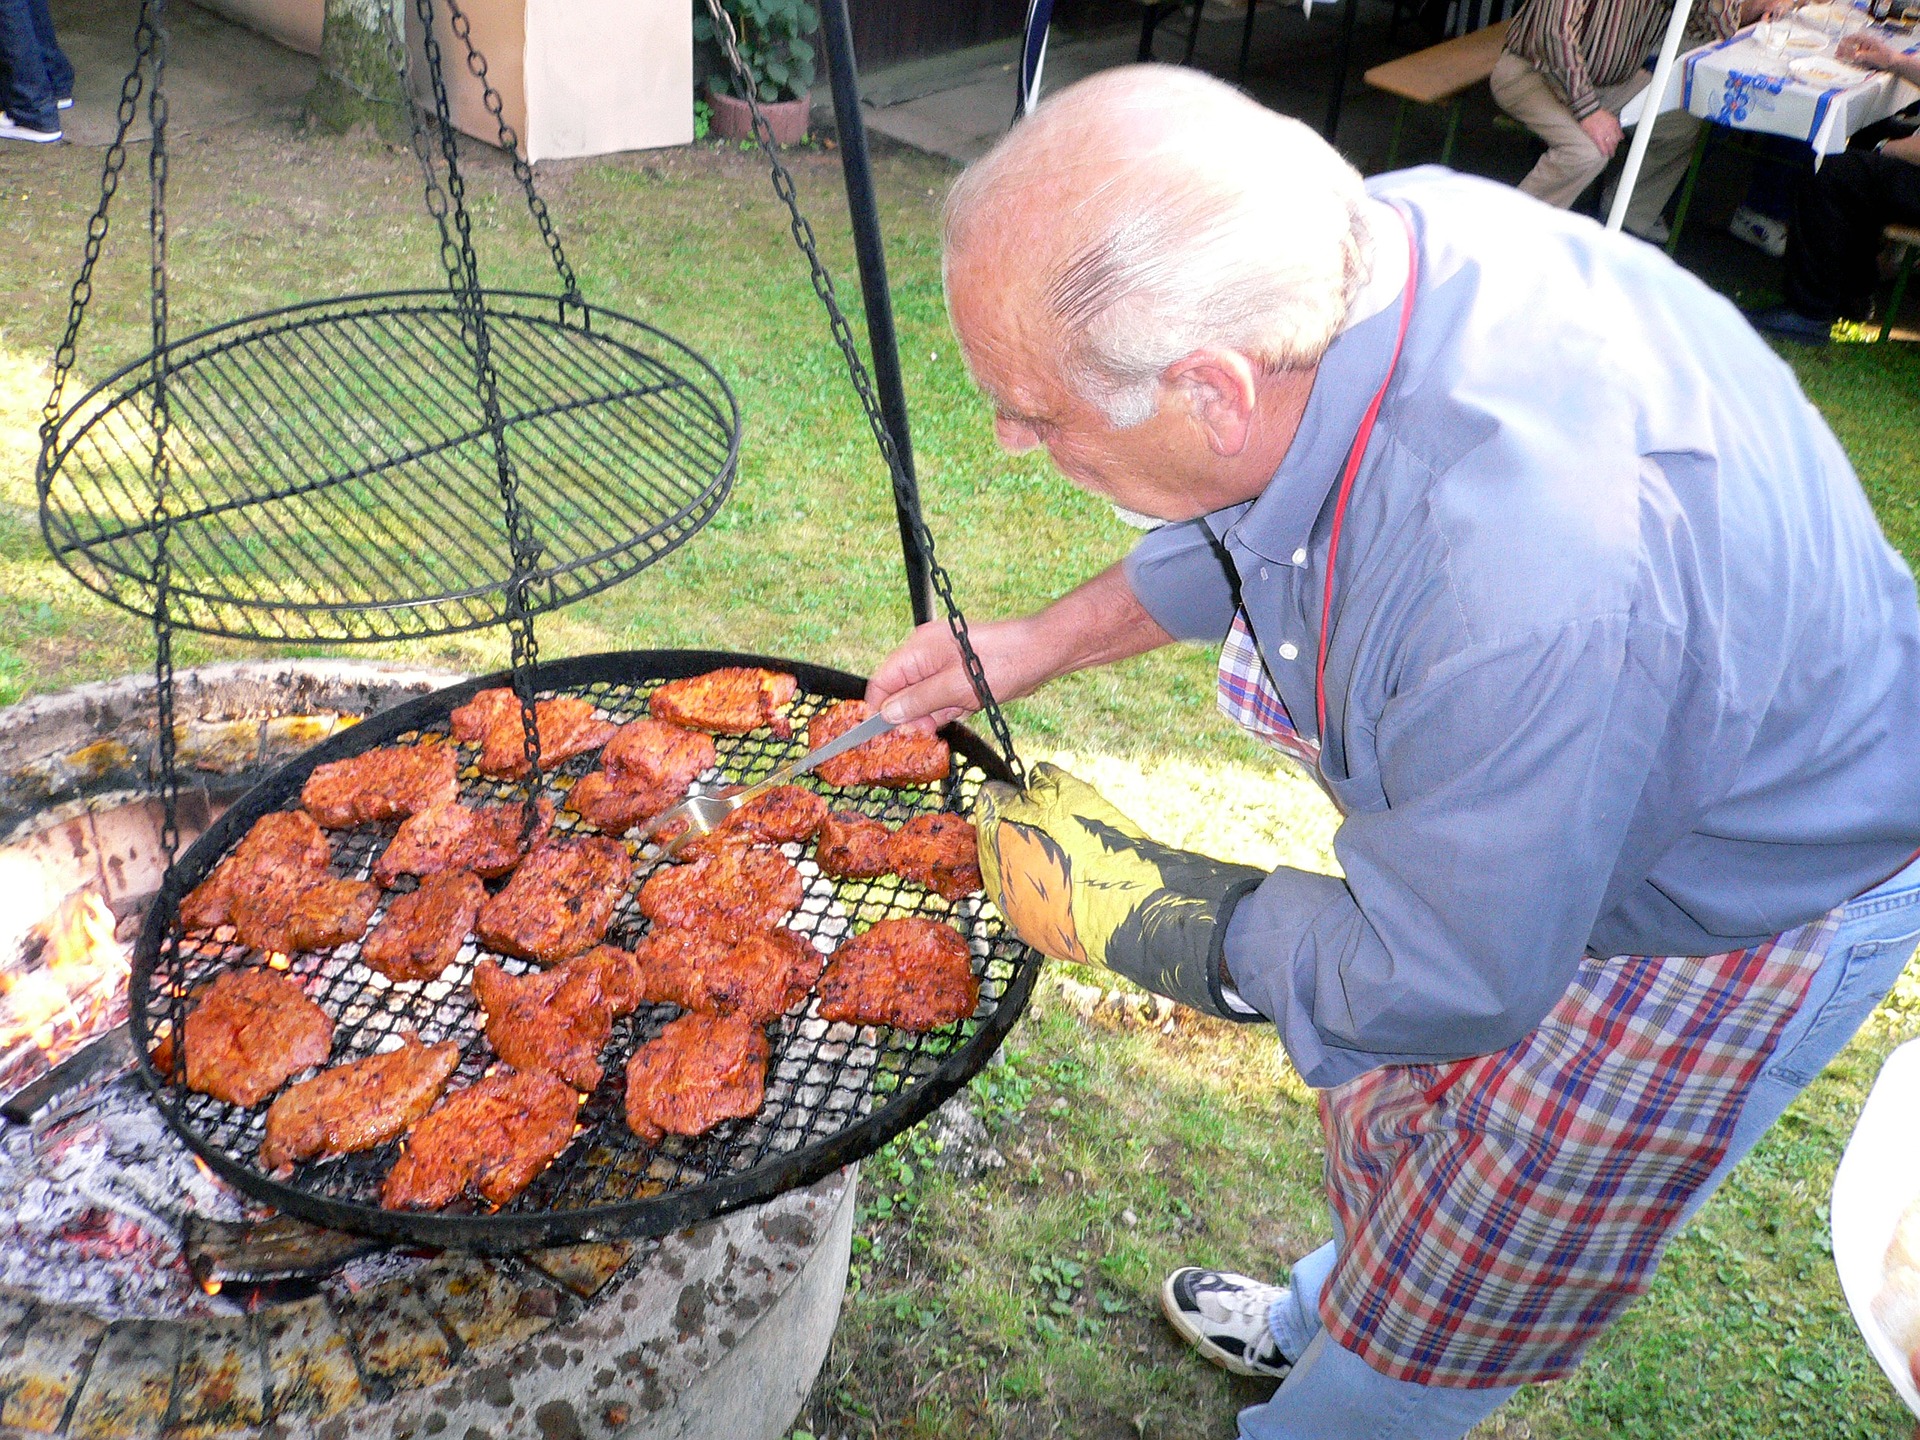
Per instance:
{"type": "Point", "coordinates": [69, 985]}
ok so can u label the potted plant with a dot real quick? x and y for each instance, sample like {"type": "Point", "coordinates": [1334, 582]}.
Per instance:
{"type": "Point", "coordinates": [772, 38]}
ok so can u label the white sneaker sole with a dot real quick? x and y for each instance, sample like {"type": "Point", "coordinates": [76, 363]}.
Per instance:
{"type": "Point", "coordinates": [1192, 1334]}
{"type": "Point", "coordinates": [32, 137]}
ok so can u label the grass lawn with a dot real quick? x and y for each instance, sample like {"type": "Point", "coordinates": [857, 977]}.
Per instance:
{"type": "Point", "coordinates": [1022, 1303]}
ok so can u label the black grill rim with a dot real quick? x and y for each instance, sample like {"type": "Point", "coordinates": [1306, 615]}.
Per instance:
{"type": "Point", "coordinates": [507, 1232]}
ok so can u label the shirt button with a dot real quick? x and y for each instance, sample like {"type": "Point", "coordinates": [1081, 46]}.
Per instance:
{"type": "Point", "coordinates": [1300, 556]}
{"type": "Point", "coordinates": [1289, 651]}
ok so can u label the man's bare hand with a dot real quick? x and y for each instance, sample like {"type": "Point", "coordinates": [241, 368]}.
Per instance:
{"type": "Point", "coordinates": [1867, 52]}
{"type": "Point", "coordinates": [1095, 624]}
{"type": "Point", "coordinates": [1603, 128]}
{"type": "Point", "coordinates": [924, 678]}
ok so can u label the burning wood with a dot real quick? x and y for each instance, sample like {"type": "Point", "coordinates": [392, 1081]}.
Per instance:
{"type": "Point", "coordinates": [68, 984]}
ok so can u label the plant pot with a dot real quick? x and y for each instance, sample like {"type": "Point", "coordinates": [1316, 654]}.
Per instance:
{"type": "Point", "coordinates": [733, 119]}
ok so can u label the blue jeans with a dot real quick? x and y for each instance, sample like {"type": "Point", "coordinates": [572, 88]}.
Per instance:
{"type": "Point", "coordinates": [37, 72]}
{"type": "Point", "coordinates": [1331, 1393]}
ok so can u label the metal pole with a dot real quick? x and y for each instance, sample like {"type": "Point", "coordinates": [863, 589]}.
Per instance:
{"type": "Point", "coordinates": [838, 34]}
{"type": "Point", "coordinates": [1341, 56]}
{"type": "Point", "coordinates": [1651, 99]}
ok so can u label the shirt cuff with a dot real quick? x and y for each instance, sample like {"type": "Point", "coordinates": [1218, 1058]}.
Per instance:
{"type": "Point", "coordinates": [1184, 580]}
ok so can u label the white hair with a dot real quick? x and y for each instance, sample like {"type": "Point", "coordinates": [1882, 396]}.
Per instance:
{"type": "Point", "coordinates": [1178, 214]}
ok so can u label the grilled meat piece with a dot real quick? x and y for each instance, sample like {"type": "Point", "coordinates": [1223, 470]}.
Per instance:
{"type": "Point", "coordinates": [482, 838]}
{"type": "Point", "coordinates": [616, 805]}
{"type": "Point", "coordinates": [729, 701]}
{"type": "Point", "coordinates": [620, 978]}
{"type": "Point", "coordinates": [382, 784]}
{"type": "Point", "coordinates": [423, 931]}
{"type": "Point", "coordinates": [358, 1105]}
{"type": "Point", "coordinates": [560, 901]}
{"type": "Point", "coordinates": [554, 1021]}
{"type": "Point", "coordinates": [329, 914]}
{"type": "Point", "coordinates": [912, 974]}
{"type": "Point", "coordinates": [493, 1137]}
{"type": "Point", "coordinates": [759, 976]}
{"type": "Point", "coordinates": [941, 852]}
{"type": "Point", "coordinates": [492, 720]}
{"type": "Point", "coordinates": [853, 846]}
{"type": "Point", "coordinates": [251, 1029]}
{"type": "Point", "coordinates": [783, 814]}
{"type": "Point", "coordinates": [654, 750]}
{"type": "Point", "coordinates": [285, 851]}
{"type": "Point", "coordinates": [737, 890]}
{"type": "Point", "coordinates": [896, 759]}
{"type": "Point", "coordinates": [701, 1070]}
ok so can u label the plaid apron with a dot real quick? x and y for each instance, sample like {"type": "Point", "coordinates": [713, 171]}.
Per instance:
{"type": "Point", "coordinates": [1498, 1213]}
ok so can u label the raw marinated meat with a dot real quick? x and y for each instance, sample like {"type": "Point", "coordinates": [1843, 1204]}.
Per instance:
{"type": "Point", "coordinates": [759, 976]}
{"type": "Point", "coordinates": [654, 750]}
{"type": "Point", "coordinates": [941, 852]}
{"type": "Point", "coordinates": [329, 914]}
{"type": "Point", "coordinates": [912, 974]}
{"type": "Point", "coordinates": [249, 1031]}
{"type": "Point", "coordinates": [737, 890]}
{"type": "Point", "coordinates": [701, 1070]}
{"type": "Point", "coordinates": [423, 930]}
{"type": "Point", "coordinates": [493, 1138]}
{"type": "Point", "coordinates": [358, 1105]}
{"type": "Point", "coordinates": [552, 1020]}
{"type": "Point", "coordinates": [896, 759]}
{"type": "Point", "coordinates": [482, 838]}
{"type": "Point", "coordinates": [284, 851]}
{"type": "Point", "coordinates": [381, 784]}
{"type": "Point", "coordinates": [560, 901]}
{"type": "Point", "coordinates": [852, 846]}
{"type": "Point", "coordinates": [493, 720]}
{"type": "Point", "coordinates": [784, 814]}
{"type": "Point", "coordinates": [729, 701]}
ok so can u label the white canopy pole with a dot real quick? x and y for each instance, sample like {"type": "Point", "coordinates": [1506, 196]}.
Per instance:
{"type": "Point", "coordinates": [1649, 112]}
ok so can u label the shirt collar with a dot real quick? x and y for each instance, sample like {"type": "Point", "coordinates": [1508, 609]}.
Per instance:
{"type": "Point", "coordinates": [1279, 522]}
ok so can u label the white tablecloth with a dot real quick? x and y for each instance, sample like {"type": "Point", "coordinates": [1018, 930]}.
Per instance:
{"type": "Point", "coordinates": [1737, 83]}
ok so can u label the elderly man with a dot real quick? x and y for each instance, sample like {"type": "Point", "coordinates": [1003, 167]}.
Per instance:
{"type": "Point", "coordinates": [1523, 542]}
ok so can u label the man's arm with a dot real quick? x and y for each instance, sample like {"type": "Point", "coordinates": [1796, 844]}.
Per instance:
{"type": "Point", "coordinates": [1876, 54]}
{"type": "Point", "coordinates": [1094, 624]}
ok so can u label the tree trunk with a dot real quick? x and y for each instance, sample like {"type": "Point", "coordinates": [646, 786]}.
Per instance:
{"type": "Point", "coordinates": [358, 83]}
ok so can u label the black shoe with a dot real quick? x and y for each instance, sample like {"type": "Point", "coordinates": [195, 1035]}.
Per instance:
{"type": "Point", "coordinates": [1224, 1317]}
{"type": "Point", "coordinates": [1790, 324]}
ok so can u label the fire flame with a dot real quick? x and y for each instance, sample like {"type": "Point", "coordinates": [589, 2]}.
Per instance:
{"type": "Point", "coordinates": [66, 998]}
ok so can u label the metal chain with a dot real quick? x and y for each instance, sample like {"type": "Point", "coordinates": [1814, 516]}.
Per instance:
{"type": "Point", "coordinates": [804, 237]}
{"type": "Point", "coordinates": [510, 142]}
{"type": "Point", "coordinates": [471, 304]}
{"type": "Point", "coordinates": [97, 226]}
{"type": "Point", "coordinates": [436, 196]}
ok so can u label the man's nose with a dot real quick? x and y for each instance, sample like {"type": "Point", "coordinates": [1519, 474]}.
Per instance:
{"type": "Point", "coordinates": [1015, 437]}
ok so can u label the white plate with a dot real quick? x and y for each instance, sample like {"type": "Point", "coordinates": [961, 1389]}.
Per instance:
{"type": "Point", "coordinates": [1822, 12]}
{"type": "Point", "coordinates": [1878, 1178]}
{"type": "Point", "coordinates": [1824, 71]}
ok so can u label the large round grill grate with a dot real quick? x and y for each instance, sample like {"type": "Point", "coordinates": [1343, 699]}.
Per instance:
{"type": "Point", "coordinates": [331, 472]}
{"type": "Point", "coordinates": [834, 1092]}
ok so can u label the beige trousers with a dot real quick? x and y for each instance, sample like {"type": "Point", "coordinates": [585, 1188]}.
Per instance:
{"type": "Point", "coordinates": [1572, 160]}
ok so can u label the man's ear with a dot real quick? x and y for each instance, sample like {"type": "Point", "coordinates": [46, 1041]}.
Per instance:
{"type": "Point", "coordinates": [1221, 395]}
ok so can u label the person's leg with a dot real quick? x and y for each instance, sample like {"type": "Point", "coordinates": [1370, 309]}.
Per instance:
{"type": "Point", "coordinates": [1876, 938]}
{"type": "Point", "coordinates": [59, 68]}
{"type": "Point", "coordinates": [1295, 1318]}
{"type": "Point", "coordinates": [1833, 243]}
{"type": "Point", "coordinates": [1668, 153]}
{"type": "Point", "coordinates": [1332, 1394]}
{"type": "Point", "coordinates": [1572, 160]}
{"type": "Point", "coordinates": [28, 98]}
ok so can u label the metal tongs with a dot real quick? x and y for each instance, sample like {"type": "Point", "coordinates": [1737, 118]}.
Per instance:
{"type": "Point", "coordinates": [703, 814]}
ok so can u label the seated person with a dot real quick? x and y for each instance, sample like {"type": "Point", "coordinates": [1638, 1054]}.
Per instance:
{"type": "Point", "coordinates": [1839, 210]}
{"type": "Point", "coordinates": [1571, 66]}
{"type": "Point", "coordinates": [36, 82]}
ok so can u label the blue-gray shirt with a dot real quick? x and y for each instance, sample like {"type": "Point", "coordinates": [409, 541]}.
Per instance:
{"type": "Point", "coordinates": [1620, 662]}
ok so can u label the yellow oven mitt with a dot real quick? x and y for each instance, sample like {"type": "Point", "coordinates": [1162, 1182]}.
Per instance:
{"type": "Point", "coordinates": [1079, 881]}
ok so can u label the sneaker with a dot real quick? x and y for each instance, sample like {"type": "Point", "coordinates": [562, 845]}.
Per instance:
{"type": "Point", "coordinates": [1224, 1317]}
{"type": "Point", "coordinates": [1656, 234]}
{"type": "Point", "coordinates": [1761, 231]}
{"type": "Point", "coordinates": [10, 129]}
{"type": "Point", "coordinates": [1790, 324]}
{"type": "Point", "coordinates": [66, 104]}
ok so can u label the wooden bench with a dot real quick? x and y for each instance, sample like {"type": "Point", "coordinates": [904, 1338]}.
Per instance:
{"type": "Point", "coordinates": [1906, 240]}
{"type": "Point", "coordinates": [1439, 73]}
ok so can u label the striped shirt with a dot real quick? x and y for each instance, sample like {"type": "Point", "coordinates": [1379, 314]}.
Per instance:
{"type": "Point", "coordinates": [1583, 46]}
